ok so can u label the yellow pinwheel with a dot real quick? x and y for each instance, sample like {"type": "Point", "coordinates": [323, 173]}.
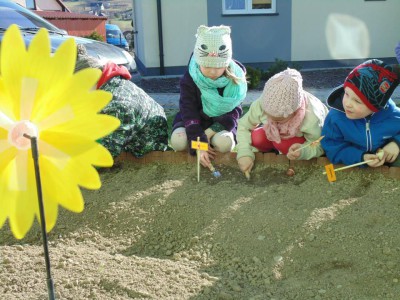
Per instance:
{"type": "Point", "coordinates": [42, 97]}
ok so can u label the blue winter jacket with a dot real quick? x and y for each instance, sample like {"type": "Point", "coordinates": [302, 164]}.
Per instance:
{"type": "Point", "coordinates": [346, 141]}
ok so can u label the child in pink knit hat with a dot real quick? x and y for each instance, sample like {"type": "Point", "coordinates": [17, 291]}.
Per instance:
{"type": "Point", "coordinates": [284, 119]}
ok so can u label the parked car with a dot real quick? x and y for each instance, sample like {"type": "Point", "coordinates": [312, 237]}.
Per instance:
{"type": "Point", "coordinates": [29, 23]}
{"type": "Point", "coordinates": [114, 36]}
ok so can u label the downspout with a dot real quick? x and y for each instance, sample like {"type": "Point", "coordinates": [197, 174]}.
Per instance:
{"type": "Point", "coordinates": [160, 38]}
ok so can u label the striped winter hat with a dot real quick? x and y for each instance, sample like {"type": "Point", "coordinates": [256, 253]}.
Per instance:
{"type": "Point", "coordinates": [374, 82]}
{"type": "Point", "coordinates": [397, 51]}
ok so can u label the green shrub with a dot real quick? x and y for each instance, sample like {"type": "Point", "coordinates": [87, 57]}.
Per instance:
{"type": "Point", "coordinates": [296, 66]}
{"type": "Point", "coordinates": [95, 36]}
{"type": "Point", "coordinates": [279, 66]}
{"type": "Point", "coordinates": [253, 77]}
{"type": "Point", "coordinates": [276, 67]}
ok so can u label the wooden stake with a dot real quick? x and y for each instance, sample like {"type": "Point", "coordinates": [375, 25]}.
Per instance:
{"type": "Point", "coordinates": [312, 144]}
{"type": "Point", "coordinates": [198, 160]}
{"type": "Point", "coordinates": [351, 166]}
{"type": "Point", "coordinates": [379, 154]}
{"type": "Point", "coordinates": [199, 146]}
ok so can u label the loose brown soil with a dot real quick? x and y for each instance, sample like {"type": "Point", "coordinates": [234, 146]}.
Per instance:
{"type": "Point", "coordinates": [153, 232]}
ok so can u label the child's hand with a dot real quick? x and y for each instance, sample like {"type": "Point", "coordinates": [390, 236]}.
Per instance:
{"type": "Point", "coordinates": [206, 157]}
{"type": "Point", "coordinates": [293, 154]}
{"type": "Point", "coordinates": [391, 151]}
{"type": "Point", "coordinates": [245, 164]}
{"type": "Point", "coordinates": [376, 161]}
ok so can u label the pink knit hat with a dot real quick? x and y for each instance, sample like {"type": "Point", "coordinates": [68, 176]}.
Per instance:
{"type": "Point", "coordinates": [283, 93]}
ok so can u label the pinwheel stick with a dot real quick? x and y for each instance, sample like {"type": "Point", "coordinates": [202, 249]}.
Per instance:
{"type": "Point", "coordinates": [35, 156]}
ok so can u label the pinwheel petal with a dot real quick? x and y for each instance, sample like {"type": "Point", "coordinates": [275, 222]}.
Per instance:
{"type": "Point", "coordinates": [90, 126]}
{"type": "Point", "coordinates": [50, 214]}
{"type": "Point", "coordinates": [7, 106]}
{"type": "Point", "coordinates": [13, 58]}
{"type": "Point", "coordinates": [65, 56]}
{"type": "Point", "coordinates": [22, 213]}
{"type": "Point", "coordinates": [40, 95]}
{"type": "Point", "coordinates": [23, 203]}
{"type": "Point", "coordinates": [98, 156]}
{"type": "Point", "coordinates": [63, 189]}
{"type": "Point", "coordinates": [87, 176]}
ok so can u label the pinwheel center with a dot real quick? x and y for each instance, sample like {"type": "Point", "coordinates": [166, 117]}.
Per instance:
{"type": "Point", "coordinates": [16, 134]}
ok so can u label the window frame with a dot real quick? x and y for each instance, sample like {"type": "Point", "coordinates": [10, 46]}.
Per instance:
{"type": "Point", "coordinates": [248, 10]}
{"type": "Point", "coordinates": [30, 4]}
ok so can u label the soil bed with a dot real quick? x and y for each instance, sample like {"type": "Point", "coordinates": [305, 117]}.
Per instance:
{"type": "Point", "coordinates": [153, 232]}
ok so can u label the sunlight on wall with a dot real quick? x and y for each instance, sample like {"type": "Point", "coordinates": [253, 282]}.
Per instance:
{"type": "Point", "coordinates": [347, 37]}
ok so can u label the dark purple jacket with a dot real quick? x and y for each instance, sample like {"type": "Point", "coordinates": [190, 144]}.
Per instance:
{"type": "Point", "coordinates": [192, 117]}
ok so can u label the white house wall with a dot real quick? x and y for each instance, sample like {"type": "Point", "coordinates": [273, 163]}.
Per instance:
{"type": "Point", "coordinates": [179, 30]}
{"type": "Point", "coordinates": [344, 29]}
{"type": "Point", "coordinates": [51, 5]}
{"type": "Point", "coordinates": [146, 43]}
{"type": "Point", "coordinates": [180, 20]}
{"type": "Point", "coordinates": [313, 33]}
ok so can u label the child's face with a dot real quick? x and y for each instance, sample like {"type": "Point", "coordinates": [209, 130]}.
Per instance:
{"type": "Point", "coordinates": [212, 73]}
{"type": "Point", "coordinates": [353, 106]}
{"type": "Point", "coordinates": [280, 119]}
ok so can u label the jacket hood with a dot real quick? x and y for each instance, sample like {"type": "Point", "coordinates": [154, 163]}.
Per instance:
{"type": "Point", "coordinates": [335, 98]}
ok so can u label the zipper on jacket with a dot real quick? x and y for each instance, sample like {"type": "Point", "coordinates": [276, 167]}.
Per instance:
{"type": "Point", "coordinates": [368, 134]}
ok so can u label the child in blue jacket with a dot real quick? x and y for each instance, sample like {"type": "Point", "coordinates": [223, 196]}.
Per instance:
{"type": "Point", "coordinates": [363, 118]}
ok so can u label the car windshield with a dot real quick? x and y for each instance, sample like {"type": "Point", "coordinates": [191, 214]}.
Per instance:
{"type": "Point", "coordinates": [113, 33]}
{"type": "Point", "coordinates": [25, 21]}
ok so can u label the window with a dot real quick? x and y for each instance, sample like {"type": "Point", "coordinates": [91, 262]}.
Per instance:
{"type": "Point", "coordinates": [30, 4]}
{"type": "Point", "coordinates": [240, 7]}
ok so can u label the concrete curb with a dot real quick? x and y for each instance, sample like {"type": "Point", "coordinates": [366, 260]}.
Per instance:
{"type": "Point", "coordinates": [229, 159]}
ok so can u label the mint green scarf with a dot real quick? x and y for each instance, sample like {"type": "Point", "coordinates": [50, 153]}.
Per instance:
{"type": "Point", "coordinates": [213, 103]}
